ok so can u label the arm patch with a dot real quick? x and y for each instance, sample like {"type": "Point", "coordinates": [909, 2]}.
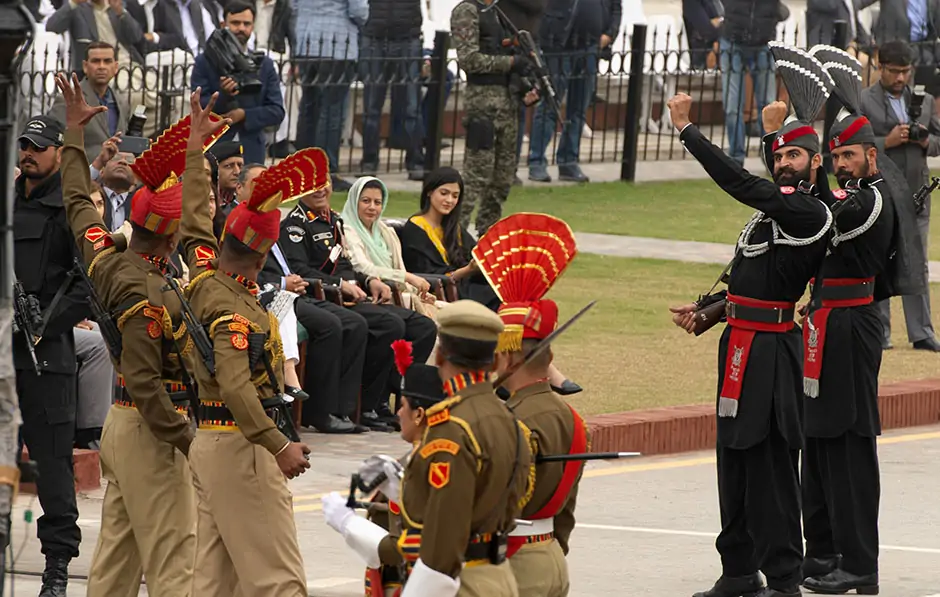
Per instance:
{"type": "Point", "coordinates": [440, 445]}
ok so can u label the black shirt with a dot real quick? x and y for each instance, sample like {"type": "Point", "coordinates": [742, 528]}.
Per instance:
{"type": "Point", "coordinates": [313, 247]}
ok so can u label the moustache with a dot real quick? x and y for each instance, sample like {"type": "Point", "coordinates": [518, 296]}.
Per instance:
{"type": "Point", "coordinates": [28, 160]}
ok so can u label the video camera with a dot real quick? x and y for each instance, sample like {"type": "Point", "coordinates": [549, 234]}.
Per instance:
{"type": "Point", "coordinates": [918, 132]}
{"type": "Point", "coordinates": [225, 53]}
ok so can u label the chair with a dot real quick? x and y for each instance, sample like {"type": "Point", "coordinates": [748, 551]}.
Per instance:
{"type": "Point", "coordinates": [443, 287]}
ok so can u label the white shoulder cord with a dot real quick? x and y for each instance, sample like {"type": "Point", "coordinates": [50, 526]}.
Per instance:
{"type": "Point", "coordinates": [779, 236]}
{"type": "Point", "coordinates": [875, 212]}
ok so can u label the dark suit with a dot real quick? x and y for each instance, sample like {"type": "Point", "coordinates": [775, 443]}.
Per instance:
{"type": "Point", "coordinates": [893, 24]}
{"type": "Point", "coordinates": [80, 23]}
{"type": "Point", "coordinates": [168, 24]}
{"type": "Point", "coordinates": [821, 16]}
{"type": "Point", "coordinates": [96, 131]}
{"type": "Point", "coordinates": [262, 110]}
{"type": "Point", "coordinates": [911, 159]}
{"type": "Point", "coordinates": [283, 27]}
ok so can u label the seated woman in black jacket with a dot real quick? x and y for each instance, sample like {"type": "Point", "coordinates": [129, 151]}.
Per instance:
{"type": "Point", "coordinates": [434, 242]}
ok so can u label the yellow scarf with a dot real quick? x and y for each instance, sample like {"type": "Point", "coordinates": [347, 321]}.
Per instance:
{"type": "Point", "coordinates": [435, 233]}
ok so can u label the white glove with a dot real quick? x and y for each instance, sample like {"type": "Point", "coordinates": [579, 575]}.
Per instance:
{"type": "Point", "coordinates": [425, 581]}
{"type": "Point", "coordinates": [375, 466]}
{"type": "Point", "coordinates": [336, 513]}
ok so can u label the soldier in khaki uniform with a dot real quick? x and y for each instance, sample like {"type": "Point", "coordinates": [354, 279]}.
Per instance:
{"type": "Point", "coordinates": [149, 513]}
{"type": "Point", "coordinates": [246, 537]}
{"type": "Point", "coordinates": [537, 551]}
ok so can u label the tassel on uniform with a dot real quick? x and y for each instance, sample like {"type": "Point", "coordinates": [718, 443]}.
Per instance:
{"type": "Point", "coordinates": [727, 407]}
{"type": "Point", "coordinates": [811, 387]}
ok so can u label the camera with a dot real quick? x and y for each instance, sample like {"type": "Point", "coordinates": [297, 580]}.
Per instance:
{"type": "Point", "coordinates": [134, 141]}
{"type": "Point", "coordinates": [918, 132]}
{"type": "Point", "coordinates": [225, 53]}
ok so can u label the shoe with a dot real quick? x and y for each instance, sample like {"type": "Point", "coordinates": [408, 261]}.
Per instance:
{"type": "Point", "coordinates": [371, 420]}
{"type": "Point", "coordinates": [930, 344]}
{"type": "Point", "coordinates": [357, 428]}
{"type": "Point", "coordinates": [793, 591]}
{"type": "Point", "coordinates": [567, 388]}
{"type": "Point", "coordinates": [819, 566]}
{"type": "Point", "coordinates": [539, 174]}
{"type": "Point", "coordinates": [839, 581]}
{"type": "Point", "coordinates": [55, 577]}
{"type": "Point", "coordinates": [416, 174]}
{"type": "Point", "coordinates": [331, 424]}
{"type": "Point", "coordinates": [388, 417]}
{"type": "Point", "coordinates": [296, 393]}
{"type": "Point", "coordinates": [572, 173]}
{"type": "Point", "coordinates": [368, 168]}
{"type": "Point", "coordinates": [341, 184]}
{"type": "Point", "coordinates": [887, 346]}
{"type": "Point", "coordinates": [503, 393]}
{"type": "Point", "coordinates": [735, 586]}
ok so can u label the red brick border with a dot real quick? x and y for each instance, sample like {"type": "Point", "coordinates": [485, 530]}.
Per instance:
{"type": "Point", "coordinates": [688, 428]}
{"type": "Point", "coordinates": [87, 471]}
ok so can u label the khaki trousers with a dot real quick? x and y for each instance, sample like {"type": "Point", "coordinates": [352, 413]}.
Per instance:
{"type": "Point", "coordinates": [246, 536]}
{"type": "Point", "coordinates": [541, 570]}
{"type": "Point", "coordinates": [486, 580]}
{"type": "Point", "coordinates": [148, 519]}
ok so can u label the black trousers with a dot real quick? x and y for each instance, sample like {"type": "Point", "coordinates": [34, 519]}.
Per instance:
{"type": "Point", "coordinates": [336, 352]}
{"type": "Point", "coordinates": [388, 323]}
{"type": "Point", "coordinates": [48, 404]}
{"type": "Point", "coordinates": [841, 495]}
{"type": "Point", "coordinates": [759, 497]}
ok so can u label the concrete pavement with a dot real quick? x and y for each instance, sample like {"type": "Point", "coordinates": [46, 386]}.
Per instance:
{"type": "Point", "coordinates": [646, 527]}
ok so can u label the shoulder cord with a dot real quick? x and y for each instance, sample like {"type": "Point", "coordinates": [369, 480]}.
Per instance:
{"type": "Point", "coordinates": [875, 212]}
{"type": "Point", "coordinates": [779, 236]}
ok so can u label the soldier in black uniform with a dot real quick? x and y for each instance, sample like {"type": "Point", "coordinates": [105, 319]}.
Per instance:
{"type": "Point", "coordinates": [760, 354]}
{"type": "Point", "coordinates": [44, 251]}
{"type": "Point", "coordinates": [312, 241]}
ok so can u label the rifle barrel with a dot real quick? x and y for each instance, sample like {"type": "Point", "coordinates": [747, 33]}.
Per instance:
{"type": "Point", "coordinates": [587, 456]}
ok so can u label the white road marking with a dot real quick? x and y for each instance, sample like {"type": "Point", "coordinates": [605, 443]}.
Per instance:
{"type": "Point", "coordinates": [655, 531]}
{"type": "Point", "coordinates": [329, 583]}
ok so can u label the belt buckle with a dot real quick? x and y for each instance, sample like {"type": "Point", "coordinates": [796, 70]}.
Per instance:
{"type": "Point", "coordinates": [729, 309]}
{"type": "Point", "coordinates": [779, 315]}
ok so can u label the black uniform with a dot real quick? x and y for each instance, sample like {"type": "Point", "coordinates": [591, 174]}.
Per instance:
{"type": "Point", "coordinates": [44, 251]}
{"type": "Point", "coordinates": [312, 246]}
{"type": "Point", "coordinates": [336, 349]}
{"type": "Point", "coordinates": [758, 448]}
{"type": "Point", "coordinates": [841, 487]}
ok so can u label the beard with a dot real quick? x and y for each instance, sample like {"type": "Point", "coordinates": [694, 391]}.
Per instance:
{"type": "Point", "coordinates": [786, 176]}
{"type": "Point", "coordinates": [844, 176]}
{"type": "Point", "coordinates": [31, 170]}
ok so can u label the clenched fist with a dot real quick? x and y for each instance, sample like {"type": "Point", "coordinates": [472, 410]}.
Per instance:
{"type": "Point", "coordinates": [680, 107]}
{"type": "Point", "coordinates": [773, 116]}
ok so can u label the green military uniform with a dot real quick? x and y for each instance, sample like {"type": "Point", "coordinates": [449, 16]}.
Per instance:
{"type": "Point", "coordinates": [492, 105]}
{"type": "Point", "coordinates": [463, 485]}
{"type": "Point", "coordinates": [246, 536]}
{"type": "Point", "coordinates": [148, 514]}
{"type": "Point", "coordinates": [537, 552]}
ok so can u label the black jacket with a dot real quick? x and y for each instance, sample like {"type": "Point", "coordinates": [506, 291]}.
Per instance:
{"type": "Point", "coordinates": [394, 19]}
{"type": "Point", "coordinates": [526, 15]}
{"type": "Point", "coordinates": [283, 27]}
{"type": "Point", "coordinates": [44, 251]}
{"type": "Point", "coordinates": [558, 29]}
{"type": "Point", "coordinates": [310, 246]}
{"type": "Point", "coordinates": [752, 22]}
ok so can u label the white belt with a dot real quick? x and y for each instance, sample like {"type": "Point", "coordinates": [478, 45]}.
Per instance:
{"type": "Point", "coordinates": [543, 526]}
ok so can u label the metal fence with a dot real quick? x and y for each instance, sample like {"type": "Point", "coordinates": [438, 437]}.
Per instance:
{"type": "Point", "coordinates": [624, 92]}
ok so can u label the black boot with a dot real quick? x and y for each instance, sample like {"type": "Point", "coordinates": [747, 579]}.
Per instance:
{"type": "Point", "coordinates": [819, 566]}
{"type": "Point", "coordinates": [735, 586]}
{"type": "Point", "coordinates": [839, 581]}
{"type": "Point", "coordinates": [793, 591]}
{"type": "Point", "coordinates": [55, 578]}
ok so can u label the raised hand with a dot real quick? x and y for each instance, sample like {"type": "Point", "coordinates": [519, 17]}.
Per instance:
{"type": "Point", "coordinates": [77, 111]}
{"type": "Point", "coordinates": [773, 116]}
{"type": "Point", "coordinates": [201, 125]}
{"type": "Point", "coordinates": [680, 109]}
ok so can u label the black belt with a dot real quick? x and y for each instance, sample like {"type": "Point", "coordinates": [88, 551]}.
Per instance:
{"type": "Point", "coordinates": [221, 415]}
{"type": "Point", "coordinates": [488, 79]}
{"type": "Point", "coordinates": [848, 291]}
{"type": "Point", "coordinates": [487, 547]}
{"type": "Point", "coordinates": [759, 314]}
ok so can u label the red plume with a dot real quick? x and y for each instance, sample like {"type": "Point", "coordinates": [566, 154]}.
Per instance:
{"type": "Point", "coordinates": [403, 358]}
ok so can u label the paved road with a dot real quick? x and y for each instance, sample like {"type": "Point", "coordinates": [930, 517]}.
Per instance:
{"type": "Point", "coordinates": [646, 528]}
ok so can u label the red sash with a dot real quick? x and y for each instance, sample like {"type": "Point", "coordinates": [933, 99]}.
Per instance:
{"type": "Point", "coordinates": [814, 332]}
{"type": "Point", "coordinates": [374, 583]}
{"type": "Point", "coordinates": [568, 479]}
{"type": "Point", "coordinates": [739, 349]}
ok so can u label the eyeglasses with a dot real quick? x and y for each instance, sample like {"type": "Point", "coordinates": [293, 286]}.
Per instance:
{"type": "Point", "coordinates": [26, 144]}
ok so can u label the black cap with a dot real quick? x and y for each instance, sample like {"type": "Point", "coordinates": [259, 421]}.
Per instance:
{"type": "Point", "coordinates": [423, 384]}
{"type": "Point", "coordinates": [227, 149]}
{"type": "Point", "coordinates": [851, 130]}
{"type": "Point", "coordinates": [43, 131]}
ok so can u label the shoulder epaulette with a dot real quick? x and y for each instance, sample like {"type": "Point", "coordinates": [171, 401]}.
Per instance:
{"type": "Point", "coordinates": [192, 283]}
{"type": "Point", "coordinates": [444, 404]}
{"type": "Point", "coordinates": [531, 442]}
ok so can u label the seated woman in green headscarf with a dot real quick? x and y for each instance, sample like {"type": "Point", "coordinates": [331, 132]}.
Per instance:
{"type": "Point", "coordinates": [373, 247]}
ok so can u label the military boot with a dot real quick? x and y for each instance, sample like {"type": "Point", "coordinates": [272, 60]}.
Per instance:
{"type": "Point", "coordinates": [839, 582]}
{"type": "Point", "coordinates": [793, 591]}
{"type": "Point", "coordinates": [55, 578]}
{"type": "Point", "coordinates": [813, 567]}
{"type": "Point", "coordinates": [735, 586]}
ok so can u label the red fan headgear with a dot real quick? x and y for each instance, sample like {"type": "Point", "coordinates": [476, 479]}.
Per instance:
{"type": "Point", "coordinates": [521, 257]}
{"type": "Point", "coordinates": [158, 205]}
{"type": "Point", "coordinates": [256, 222]}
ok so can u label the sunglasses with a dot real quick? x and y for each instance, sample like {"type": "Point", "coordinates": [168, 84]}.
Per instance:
{"type": "Point", "coordinates": [26, 144]}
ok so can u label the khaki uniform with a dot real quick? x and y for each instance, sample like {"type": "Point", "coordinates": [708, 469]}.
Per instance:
{"type": "Point", "coordinates": [464, 483]}
{"type": "Point", "coordinates": [148, 515]}
{"type": "Point", "coordinates": [539, 564]}
{"type": "Point", "coordinates": [247, 539]}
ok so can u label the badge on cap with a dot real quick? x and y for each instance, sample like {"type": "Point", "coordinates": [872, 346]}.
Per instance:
{"type": "Point", "coordinates": [787, 190]}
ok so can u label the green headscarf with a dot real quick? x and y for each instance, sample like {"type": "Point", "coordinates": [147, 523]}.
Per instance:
{"type": "Point", "coordinates": [374, 242]}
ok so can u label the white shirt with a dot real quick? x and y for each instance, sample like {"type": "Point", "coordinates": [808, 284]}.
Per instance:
{"type": "Point", "coordinates": [850, 5]}
{"type": "Point", "coordinates": [118, 208]}
{"type": "Point", "coordinates": [263, 22]}
{"type": "Point", "coordinates": [189, 31]}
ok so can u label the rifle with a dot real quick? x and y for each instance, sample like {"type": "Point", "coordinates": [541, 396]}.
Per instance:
{"type": "Point", "coordinates": [26, 315]}
{"type": "Point", "coordinates": [109, 329]}
{"type": "Point", "coordinates": [920, 197]}
{"type": "Point", "coordinates": [279, 407]}
{"type": "Point", "coordinates": [587, 456]}
{"type": "Point", "coordinates": [543, 76]}
{"type": "Point", "coordinates": [198, 333]}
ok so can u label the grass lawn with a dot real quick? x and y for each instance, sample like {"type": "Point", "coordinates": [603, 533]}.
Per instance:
{"type": "Point", "coordinates": [627, 354]}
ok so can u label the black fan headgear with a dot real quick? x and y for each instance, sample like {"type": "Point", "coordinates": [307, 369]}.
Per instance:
{"type": "Point", "coordinates": [809, 85]}
{"type": "Point", "coordinates": [850, 127]}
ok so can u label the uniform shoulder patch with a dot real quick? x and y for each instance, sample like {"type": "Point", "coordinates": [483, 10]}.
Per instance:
{"type": "Point", "coordinates": [296, 233]}
{"type": "Point", "coordinates": [238, 327]}
{"type": "Point", "coordinates": [394, 508]}
{"type": "Point", "coordinates": [240, 341]}
{"type": "Point", "coordinates": [154, 329]}
{"type": "Point", "coordinates": [95, 233]}
{"type": "Point", "coordinates": [203, 255]}
{"type": "Point", "coordinates": [104, 243]}
{"type": "Point", "coordinates": [840, 194]}
{"type": "Point", "coordinates": [440, 445]}
{"type": "Point", "coordinates": [240, 319]}
{"type": "Point", "coordinates": [787, 190]}
{"type": "Point", "coordinates": [439, 474]}
{"type": "Point", "coordinates": [438, 417]}
{"type": "Point", "coordinates": [153, 313]}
